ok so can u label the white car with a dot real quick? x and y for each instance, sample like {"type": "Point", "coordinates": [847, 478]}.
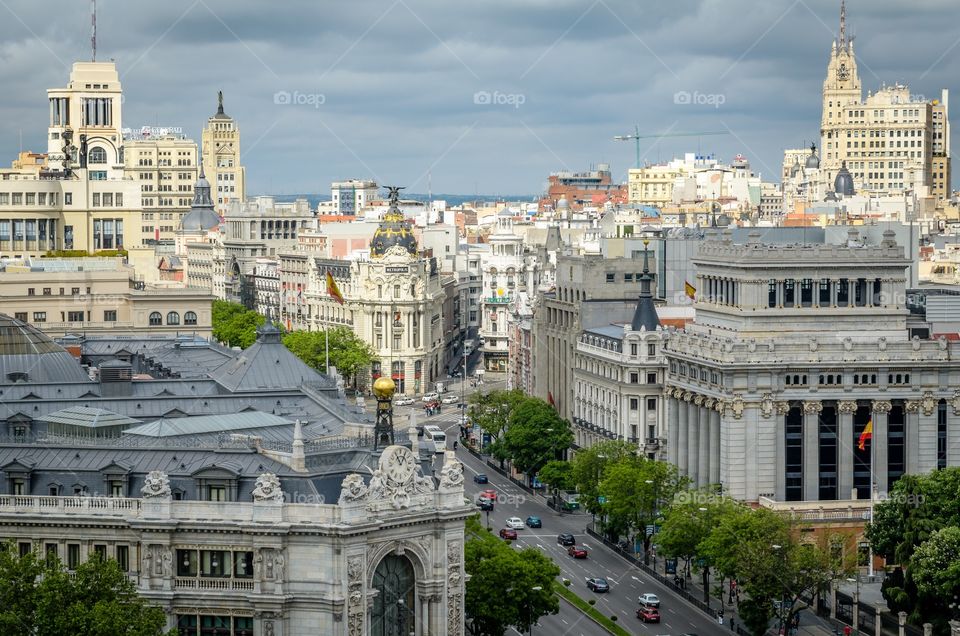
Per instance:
{"type": "Point", "coordinates": [516, 523]}
{"type": "Point", "coordinates": [430, 397]}
{"type": "Point", "coordinates": [403, 401]}
{"type": "Point", "coordinates": [649, 600]}
{"type": "Point", "coordinates": [450, 399]}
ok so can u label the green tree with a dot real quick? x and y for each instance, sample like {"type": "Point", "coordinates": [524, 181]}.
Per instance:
{"type": "Point", "coordinates": [557, 475]}
{"type": "Point", "coordinates": [37, 596]}
{"type": "Point", "coordinates": [935, 568]}
{"type": "Point", "coordinates": [633, 488]}
{"type": "Point", "coordinates": [507, 587]}
{"type": "Point", "coordinates": [535, 435]}
{"type": "Point", "coordinates": [589, 464]}
{"type": "Point", "coordinates": [348, 353]}
{"type": "Point", "coordinates": [235, 325]}
{"type": "Point", "coordinates": [491, 411]}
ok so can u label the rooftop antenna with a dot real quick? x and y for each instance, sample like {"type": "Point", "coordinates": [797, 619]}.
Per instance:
{"type": "Point", "coordinates": [93, 28]}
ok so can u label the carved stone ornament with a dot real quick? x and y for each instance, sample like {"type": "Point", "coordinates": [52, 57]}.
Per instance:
{"type": "Point", "coordinates": [751, 345]}
{"type": "Point", "coordinates": [451, 475]}
{"type": "Point", "coordinates": [720, 406]}
{"type": "Point", "coordinates": [847, 406]}
{"type": "Point", "coordinates": [942, 343]}
{"type": "Point", "coordinates": [912, 406]}
{"type": "Point", "coordinates": [352, 489]}
{"type": "Point", "coordinates": [812, 406]}
{"type": "Point", "coordinates": [737, 406]}
{"type": "Point", "coordinates": [156, 484]}
{"type": "Point", "coordinates": [928, 403]}
{"type": "Point", "coordinates": [915, 343]}
{"type": "Point", "coordinates": [398, 478]}
{"type": "Point", "coordinates": [709, 403]}
{"type": "Point", "coordinates": [882, 406]}
{"type": "Point", "coordinates": [267, 488]}
{"type": "Point", "coordinates": [955, 402]}
{"type": "Point", "coordinates": [454, 615]}
{"type": "Point", "coordinates": [678, 393]}
{"type": "Point", "coordinates": [454, 553]}
{"type": "Point", "coordinates": [698, 400]}
{"type": "Point", "coordinates": [766, 404]}
{"type": "Point", "coordinates": [882, 343]}
{"type": "Point", "coordinates": [687, 396]}
{"type": "Point", "coordinates": [813, 344]}
{"type": "Point", "coordinates": [781, 407]}
{"type": "Point", "coordinates": [847, 344]}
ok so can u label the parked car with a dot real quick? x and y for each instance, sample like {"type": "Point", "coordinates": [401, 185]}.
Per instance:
{"type": "Point", "coordinates": [508, 534]}
{"type": "Point", "coordinates": [485, 504]}
{"type": "Point", "coordinates": [649, 600]}
{"type": "Point", "coordinates": [450, 399]}
{"type": "Point", "coordinates": [534, 522]}
{"type": "Point", "coordinates": [577, 552]}
{"type": "Point", "coordinates": [515, 523]}
{"type": "Point", "coordinates": [566, 539]}
{"type": "Point", "coordinates": [403, 401]}
{"type": "Point", "coordinates": [430, 397]}
{"type": "Point", "coordinates": [649, 614]}
{"type": "Point", "coordinates": [598, 585]}
{"type": "Point", "coordinates": [480, 478]}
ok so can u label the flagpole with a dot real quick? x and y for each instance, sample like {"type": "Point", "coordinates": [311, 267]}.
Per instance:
{"type": "Point", "coordinates": [326, 343]}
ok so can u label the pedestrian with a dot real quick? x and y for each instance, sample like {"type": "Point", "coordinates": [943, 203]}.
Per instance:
{"type": "Point", "coordinates": [846, 630]}
{"type": "Point", "coordinates": [720, 616]}
{"type": "Point", "coordinates": [454, 444]}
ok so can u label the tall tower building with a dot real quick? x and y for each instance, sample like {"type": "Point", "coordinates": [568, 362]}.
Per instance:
{"type": "Point", "coordinates": [221, 158]}
{"type": "Point", "coordinates": [891, 141]}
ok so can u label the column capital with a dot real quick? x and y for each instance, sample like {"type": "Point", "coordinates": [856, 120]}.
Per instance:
{"type": "Point", "coordinates": [881, 406]}
{"type": "Point", "coordinates": [847, 407]}
{"type": "Point", "coordinates": [720, 406]}
{"type": "Point", "coordinates": [698, 400]}
{"type": "Point", "coordinates": [687, 396]}
{"type": "Point", "coordinates": [812, 406]}
{"type": "Point", "coordinates": [709, 402]}
{"type": "Point", "coordinates": [781, 407]}
{"type": "Point", "coordinates": [912, 406]}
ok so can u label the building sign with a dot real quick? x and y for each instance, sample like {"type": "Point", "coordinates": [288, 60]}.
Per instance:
{"type": "Point", "coordinates": [397, 269]}
{"type": "Point", "coordinates": [146, 132]}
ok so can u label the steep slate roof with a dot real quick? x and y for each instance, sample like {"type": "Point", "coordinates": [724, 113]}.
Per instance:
{"type": "Point", "coordinates": [645, 315]}
{"type": "Point", "coordinates": [86, 417]}
{"type": "Point", "coordinates": [208, 424]}
{"type": "Point", "coordinates": [265, 364]}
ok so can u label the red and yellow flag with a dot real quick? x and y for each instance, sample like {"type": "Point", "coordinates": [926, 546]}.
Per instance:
{"type": "Point", "coordinates": [689, 289]}
{"type": "Point", "coordinates": [865, 435]}
{"type": "Point", "coordinates": [333, 290]}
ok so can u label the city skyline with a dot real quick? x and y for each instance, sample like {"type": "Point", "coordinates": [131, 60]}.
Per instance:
{"type": "Point", "coordinates": [422, 94]}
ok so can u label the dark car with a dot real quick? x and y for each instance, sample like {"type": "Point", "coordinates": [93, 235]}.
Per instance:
{"type": "Point", "coordinates": [480, 478]}
{"type": "Point", "coordinates": [577, 552]}
{"type": "Point", "coordinates": [598, 585]}
{"type": "Point", "coordinates": [649, 614]}
{"type": "Point", "coordinates": [534, 522]}
{"type": "Point", "coordinates": [566, 539]}
{"type": "Point", "coordinates": [485, 504]}
{"type": "Point", "coordinates": [508, 534]}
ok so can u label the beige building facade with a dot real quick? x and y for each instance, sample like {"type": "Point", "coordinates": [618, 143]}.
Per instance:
{"type": "Point", "coordinates": [221, 159]}
{"type": "Point", "coordinates": [165, 168]}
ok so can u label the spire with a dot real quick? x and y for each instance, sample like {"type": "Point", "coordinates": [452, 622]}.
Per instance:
{"type": "Point", "coordinates": [843, 23]}
{"type": "Point", "coordinates": [220, 103]}
{"type": "Point", "coordinates": [202, 176]}
{"type": "Point", "coordinates": [645, 316]}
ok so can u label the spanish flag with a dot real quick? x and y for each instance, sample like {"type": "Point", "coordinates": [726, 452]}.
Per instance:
{"type": "Point", "coordinates": [689, 289]}
{"type": "Point", "coordinates": [865, 435]}
{"type": "Point", "coordinates": [333, 290]}
{"type": "Point", "coordinates": [550, 399]}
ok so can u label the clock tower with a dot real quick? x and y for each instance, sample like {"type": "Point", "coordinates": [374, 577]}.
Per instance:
{"type": "Point", "coordinates": [221, 159]}
{"type": "Point", "coordinates": [841, 88]}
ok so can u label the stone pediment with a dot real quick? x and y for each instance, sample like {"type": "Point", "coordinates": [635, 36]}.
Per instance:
{"type": "Point", "coordinates": [115, 468]}
{"type": "Point", "coordinates": [16, 466]}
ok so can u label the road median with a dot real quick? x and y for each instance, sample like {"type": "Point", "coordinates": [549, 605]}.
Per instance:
{"type": "Point", "coordinates": [590, 611]}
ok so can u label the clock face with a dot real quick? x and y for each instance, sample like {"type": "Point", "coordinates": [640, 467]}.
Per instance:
{"type": "Point", "coordinates": [402, 465]}
{"type": "Point", "coordinates": [842, 72]}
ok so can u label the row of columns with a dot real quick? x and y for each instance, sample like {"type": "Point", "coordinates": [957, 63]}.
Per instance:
{"type": "Point", "coordinates": [694, 436]}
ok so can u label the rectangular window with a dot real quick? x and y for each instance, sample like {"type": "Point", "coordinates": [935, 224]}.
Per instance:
{"type": "Point", "coordinates": [110, 315]}
{"type": "Point", "coordinates": [824, 292]}
{"type": "Point", "coordinates": [73, 556]}
{"type": "Point", "coordinates": [611, 277]}
{"type": "Point", "coordinates": [788, 292]}
{"type": "Point", "coordinates": [20, 315]}
{"type": "Point", "coordinates": [186, 563]}
{"type": "Point", "coordinates": [634, 377]}
{"type": "Point", "coordinates": [51, 551]}
{"type": "Point", "coordinates": [806, 292]}
{"type": "Point", "coordinates": [634, 404]}
{"type": "Point", "coordinates": [651, 404]}
{"type": "Point", "coordinates": [46, 291]}
{"type": "Point", "coordinates": [123, 557]}
{"type": "Point", "coordinates": [771, 293]}
{"type": "Point", "coordinates": [214, 563]}
{"type": "Point", "coordinates": [39, 316]}
{"type": "Point", "coordinates": [75, 316]}
{"type": "Point", "coordinates": [651, 350]}
{"type": "Point", "coordinates": [31, 291]}
{"type": "Point", "coordinates": [633, 348]}
{"type": "Point", "coordinates": [652, 378]}
{"type": "Point", "coordinates": [216, 493]}
{"type": "Point", "coordinates": [101, 551]}
{"type": "Point", "coordinates": [843, 292]}
{"type": "Point", "coordinates": [243, 565]}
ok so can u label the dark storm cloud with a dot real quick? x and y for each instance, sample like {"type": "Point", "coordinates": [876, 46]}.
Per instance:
{"type": "Point", "coordinates": [389, 88]}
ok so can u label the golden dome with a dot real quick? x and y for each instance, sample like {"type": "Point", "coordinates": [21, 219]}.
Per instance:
{"type": "Point", "coordinates": [384, 388]}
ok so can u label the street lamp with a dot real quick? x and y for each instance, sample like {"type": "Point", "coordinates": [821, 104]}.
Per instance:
{"type": "Point", "coordinates": [780, 614]}
{"type": "Point", "coordinates": [535, 588]}
{"type": "Point", "coordinates": [653, 522]}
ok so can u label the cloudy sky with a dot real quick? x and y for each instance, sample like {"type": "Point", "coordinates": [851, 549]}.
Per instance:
{"type": "Point", "coordinates": [485, 97]}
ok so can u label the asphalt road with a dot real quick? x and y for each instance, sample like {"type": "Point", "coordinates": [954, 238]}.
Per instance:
{"type": "Point", "coordinates": [626, 581]}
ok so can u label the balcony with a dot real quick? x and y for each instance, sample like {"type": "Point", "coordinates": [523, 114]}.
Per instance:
{"type": "Point", "coordinates": [850, 510]}
{"type": "Point", "coordinates": [193, 583]}
{"type": "Point", "coordinates": [497, 300]}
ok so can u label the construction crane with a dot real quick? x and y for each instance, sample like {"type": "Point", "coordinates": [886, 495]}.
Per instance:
{"type": "Point", "coordinates": [636, 136]}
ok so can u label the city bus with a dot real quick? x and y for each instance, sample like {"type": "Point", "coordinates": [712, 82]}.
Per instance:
{"type": "Point", "coordinates": [433, 435]}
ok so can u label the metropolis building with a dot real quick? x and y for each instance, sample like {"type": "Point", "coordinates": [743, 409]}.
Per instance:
{"type": "Point", "coordinates": [795, 351]}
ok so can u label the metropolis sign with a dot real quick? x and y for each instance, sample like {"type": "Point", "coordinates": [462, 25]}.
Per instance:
{"type": "Point", "coordinates": [397, 269]}
{"type": "Point", "coordinates": [146, 132]}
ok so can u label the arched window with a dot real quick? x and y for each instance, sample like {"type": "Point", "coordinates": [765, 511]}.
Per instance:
{"type": "Point", "coordinates": [394, 610]}
{"type": "Point", "coordinates": [173, 318]}
{"type": "Point", "coordinates": [97, 155]}
{"type": "Point", "coordinates": [156, 319]}
{"type": "Point", "coordinates": [189, 318]}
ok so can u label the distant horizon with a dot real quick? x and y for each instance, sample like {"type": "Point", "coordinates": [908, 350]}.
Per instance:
{"type": "Point", "coordinates": [448, 196]}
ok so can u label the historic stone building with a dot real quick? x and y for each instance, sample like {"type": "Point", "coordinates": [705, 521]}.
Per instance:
{"type": "Point", "coordinates": [796, 348]}
{"type": "Point", "coordinates": [220, 143]}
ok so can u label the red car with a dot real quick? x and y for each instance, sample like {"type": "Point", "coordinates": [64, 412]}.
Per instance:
{"type": "Point", "coordinates": [508, 534]}
{"type": "Point", "coordinates": [577, 552]}
{"type": "Point", "coordinates": [648, 615]}
{"type": "Point", "coordinates": [490, 494]}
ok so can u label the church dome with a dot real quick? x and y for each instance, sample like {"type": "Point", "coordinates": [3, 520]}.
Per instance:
{"type": "Point", "coordinates": [394, 230]}
{"type": "Point", "coordinates": [813, 161]}
{"type": "Point", "coordinates": [795, 168]}
{"type": "Point", "coordinates": [843, 184]}
{"type": "Point", "coordinates": [202, 216]}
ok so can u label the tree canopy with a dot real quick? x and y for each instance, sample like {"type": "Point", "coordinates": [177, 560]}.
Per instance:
{"type": "Point", "coordinates": [491, 411]}
{"type": "Point", "coordinates": [507, 587]}
{"type": "Point", "coordinates": [234, 324]}
{"type": "Point", "coordinates": [535, 435]}
{"type": "Point", "coordinates": [39, 597]}
{"type": "Point", "coordinates": [589, 464]}
{"type": "Point", "coordinates": [348, 353]}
